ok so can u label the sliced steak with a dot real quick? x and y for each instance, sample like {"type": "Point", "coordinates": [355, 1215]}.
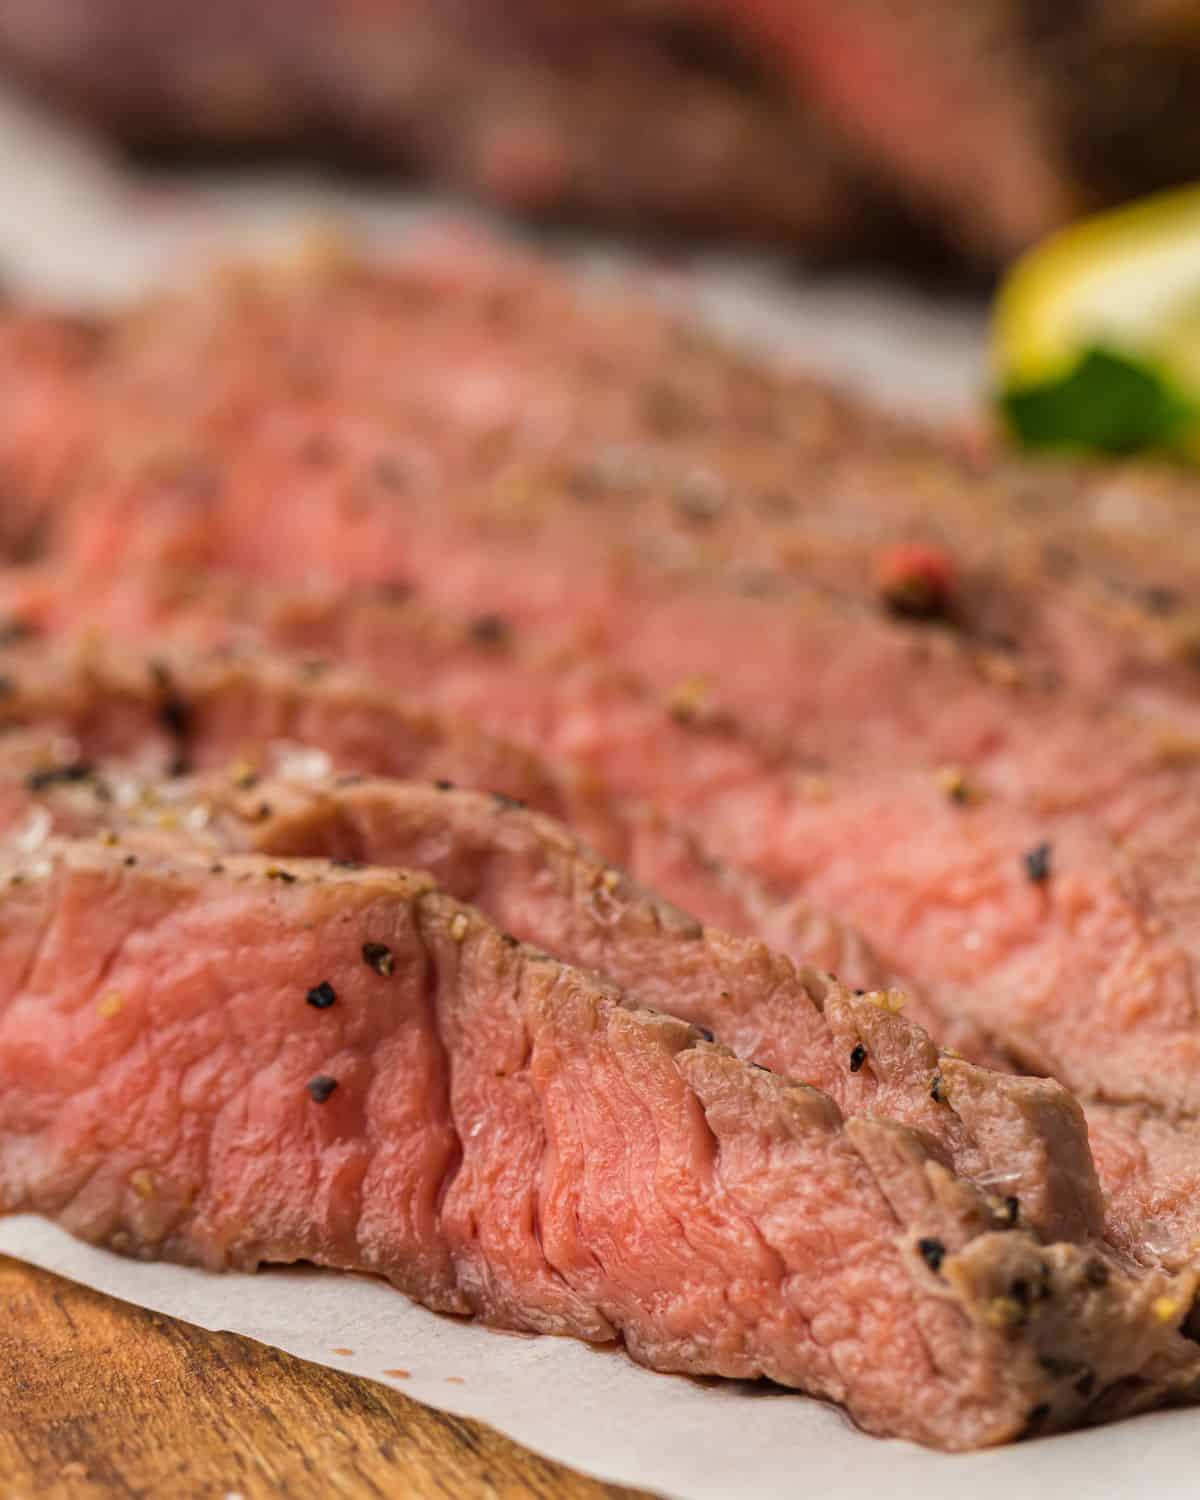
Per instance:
{"type": "Point", "coordinates": [173, 710]}
{"type": "Point", "coordinates": [532, 877]}
{"type": "Point", "coordinates": [515, 403]}
{"type": "Point", "coordinates": [1049, 950]}
{"type": "Point", "coordinates": [47, 362]}
{"type": "Point", "coordinates": [501, 1135]}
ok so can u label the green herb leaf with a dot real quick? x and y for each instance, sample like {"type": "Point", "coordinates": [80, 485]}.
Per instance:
{"type": "Point", "coordinates": [1109, 402]}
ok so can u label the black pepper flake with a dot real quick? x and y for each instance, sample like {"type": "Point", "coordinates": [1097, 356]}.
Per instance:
{"type": "Point", "coordinates": [1010, 1212]}
{"type": "Point", "coordinates": [1036, 1417]}
{"type": "Point", "coordinates": [276, 873]}
{"type": "Point", "coordinates": [262, 812]}
{"type": "Point", "coordinates": [321, 996]}
{"type": "Point", "coordinates": [378, 956]}
{"type": "Point", "coordinates": [15, 630]}
{"type": "Point", "coordinates": [217, 869]}
{"type": "Point", "coordinates": [394, 590]}
{"type": "Point", "coordinates": [935, 1089]}
{"type": "Point", "coordinates": [508, 940]}
{"type": "Point", "coordinates": [502, 799]}
{"type": "Point", "coordinates": [174, 715]}
{"type": "Point", "coordinates": [320, 1087]}
{"type": "Point", "coordinates": [488, 630]}
{"type": "Point", "coordinates": [858, 1057]}
{"type": "Point", "coordinates": [75, 771]}
{"type": "Point", "coordinates": [392, 472]}
{"type": "Point", "coordinates": [442, 785]}
{"type": "Point", "coordinates": [708, 1035]}
{"type": "Point", "coordinates": [1037, 863]}
{"type": "Point", "coordinates": [762, 1067]}
{"type": "Point", "coordinates": [131, 859]}
{"type": "Point", "coordinates": [932, 1252]}
{"type": "Point", "coordinates": [1161, 601]}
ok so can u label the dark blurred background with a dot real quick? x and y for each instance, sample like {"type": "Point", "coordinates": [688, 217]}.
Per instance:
{"type": "Point", "coordinates": [944, 130]}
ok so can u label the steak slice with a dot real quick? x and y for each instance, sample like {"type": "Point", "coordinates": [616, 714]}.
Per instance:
{"type": "Point", "coordinates": [991, 126]}
{"type": "Point", "coordinates": [47, 360]}
{"type": "Point", "coordinates": [1024, 1138]}
{"type": "Point", "coordinates": [515, 402]}
{"type": "Point", "coordinates": [1083, 969]}
{"type": "Point", "coordinates": [594, 114]}
{"type": "Point", "coordinates": [172, 710]}
{"type": "Point", "coordinates": [501, 1135]}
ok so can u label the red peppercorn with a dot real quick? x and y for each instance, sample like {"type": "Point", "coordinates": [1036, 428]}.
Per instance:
{"type": "Point", "coordinates": [915, 579]}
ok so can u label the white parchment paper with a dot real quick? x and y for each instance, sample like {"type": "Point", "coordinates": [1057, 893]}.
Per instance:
{"type": "Point", "coordinates": [75, 228]}
{"type": "Point", "coordinates": [595, 1410]}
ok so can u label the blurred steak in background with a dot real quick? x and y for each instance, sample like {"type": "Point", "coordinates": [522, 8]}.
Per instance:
{"type": "Point", "coordinates": [831, 126]}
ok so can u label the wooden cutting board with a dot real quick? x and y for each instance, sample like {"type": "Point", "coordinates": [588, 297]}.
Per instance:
{"type": "Point", "coordinates": [99, 1398]}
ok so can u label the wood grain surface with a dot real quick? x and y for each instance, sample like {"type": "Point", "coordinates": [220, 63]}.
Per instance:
{"type": "Point", "coordinates": [99, 1398]}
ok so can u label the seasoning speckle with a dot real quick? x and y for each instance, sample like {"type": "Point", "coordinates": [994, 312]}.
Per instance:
{"type": "Point", "coordinates": [915, 580]}
{"type": "Point", "coordinates": [935, 1090]}
{"type": "Point", "coordinates": [1037, 863]}
{"type": "Point", "coordinates": [442, 785]}
{"type": "Point", "coordinates": [379, 957]}
{"type": "Point", "coordinates": [1166, 1309]}
{"type": "Point", "coordinates": [142, 1182]}
{"type": "Point", "coordinates": [1160, 601]}
{"type": "Point", "coordinates": [488, 630]}
{"type": "Point", "coordinates": [1004, 1312]}
{"type": "Point", "coordinates": [932, 1252]}
{"type": "Point", "coordinates": [321, 996]}
{"type": "Point", "coordinates": [276, 872]}
{"type": "Point", "coordinates": [952, 781]}
{"type": "Point", "coordinates": [1036, 1417]}
{"type": "Point", "coordinates": [243, 775]}
{"type": "Point", "coordinates": [74, 771]}
{"type": "Point", "coordinates": [14, 630]}
{"type": "Point", "coordinates": [320, 1087]}
{"type": "Point", "coordinates": [858, 1057]}
{"type": "Point", "coordinates": [1097, 1273]}
{"type": "Point", "coordinates": [110, 1004]}
{"type": "Point", "coordinates": [1010, 1212]}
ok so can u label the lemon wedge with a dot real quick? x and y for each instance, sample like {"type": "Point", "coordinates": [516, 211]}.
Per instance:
{"type": "Point", "coordinates": [1096, 332]}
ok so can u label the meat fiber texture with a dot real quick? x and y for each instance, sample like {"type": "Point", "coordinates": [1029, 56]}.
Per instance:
{"type": "Point", "coordinates": [535, 879]}
{"type": "Point", "coordinates": [588, 477]}
{"type": "Point", "coordinates": [807, 122]}
{"type": "Point", "coordinates": [501, 1135]}
{"type": "Point", "coordinates": [617, 654]}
